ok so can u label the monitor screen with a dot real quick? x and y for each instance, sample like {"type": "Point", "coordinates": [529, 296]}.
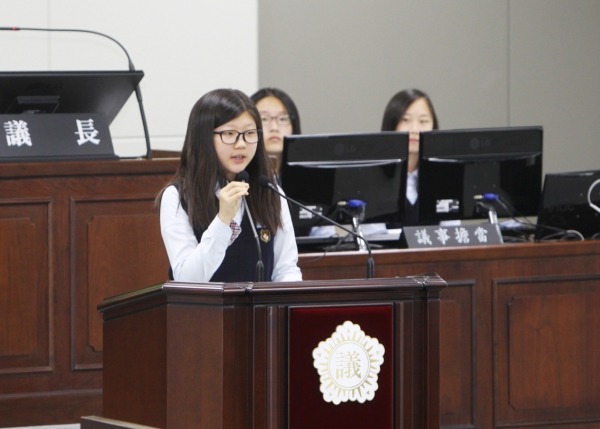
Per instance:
{"type": "Point", "coordinates": [456, 167]}
{"type": "Point", "coordinates": [67, 92]}
{"type": "Point", "coordinates": [568, 202]}
{"type": "Point", "coordinates": [325, 171]}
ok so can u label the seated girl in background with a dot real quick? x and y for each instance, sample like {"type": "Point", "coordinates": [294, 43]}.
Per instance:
{"type": "Point", "coordinates": [205, 229]}
{"type": "Point", "coordinates": [279, 118]}
{"type": "Point", "coordinates": [410, 110]}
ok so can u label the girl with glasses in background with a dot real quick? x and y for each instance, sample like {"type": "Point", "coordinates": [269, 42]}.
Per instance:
{"type": "Point", "coordinates": [279, 117]}
{"type": "Point", "coordinates": [207, 234]}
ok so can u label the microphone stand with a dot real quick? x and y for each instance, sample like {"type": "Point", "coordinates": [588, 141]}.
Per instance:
{"type": "Point", "coordinates": [243, 176]}
{"type": "Point", "coordinates": [260, 268]}
{"type": "Point", "coordinates": [138, 91]}
{"type": "Point", "coordinates": [491, 211]}
{"type": "Point", "coordinates": [265, 183]}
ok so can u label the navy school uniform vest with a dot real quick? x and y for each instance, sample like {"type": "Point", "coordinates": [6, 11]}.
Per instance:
{"type": "Point", "coordinates": [239, 264]}
{"type": "Point", "coordinates": [411, 214]}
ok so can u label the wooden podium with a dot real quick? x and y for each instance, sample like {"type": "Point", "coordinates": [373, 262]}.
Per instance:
{"type": "Point", "coordinates": [243, 355]}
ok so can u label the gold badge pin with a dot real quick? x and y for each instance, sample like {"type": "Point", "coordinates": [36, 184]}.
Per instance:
{"type": "Point", "coordinates": [265, 235]}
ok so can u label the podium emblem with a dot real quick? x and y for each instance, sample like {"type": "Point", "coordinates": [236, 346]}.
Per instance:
{"type": "Point", "coordinates": [348, 363]}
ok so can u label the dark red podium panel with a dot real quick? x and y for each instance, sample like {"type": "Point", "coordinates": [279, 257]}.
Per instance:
{"type": "Point", "coordinates": [307, 408]}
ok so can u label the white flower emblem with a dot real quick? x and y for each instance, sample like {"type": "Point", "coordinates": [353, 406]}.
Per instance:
{"type": "Point", "coordinates": [348, 363]}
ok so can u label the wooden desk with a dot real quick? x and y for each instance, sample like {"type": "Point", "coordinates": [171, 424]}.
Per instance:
{"type": "Point", "coordinates": [520, 336]}
{"type": "Point", "coordinates": [515, 318]}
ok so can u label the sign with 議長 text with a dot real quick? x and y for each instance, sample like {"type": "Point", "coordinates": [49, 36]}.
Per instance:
{"type": "Point", "coordinates": [54, 137]}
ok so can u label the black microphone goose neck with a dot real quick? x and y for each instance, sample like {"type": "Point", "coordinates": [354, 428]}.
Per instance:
{"type": "Point", "coordinates": [243, 176]}
{"type": "Point", "coordinates": [74, 30]}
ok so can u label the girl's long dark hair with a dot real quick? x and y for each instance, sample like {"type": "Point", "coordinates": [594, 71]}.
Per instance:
{"type": "Point", "coordinates": [200, 170]}
{"type": "Point", "coordinates": [398, 105]}
{"type": "Point", "coordinates": [287, 102]}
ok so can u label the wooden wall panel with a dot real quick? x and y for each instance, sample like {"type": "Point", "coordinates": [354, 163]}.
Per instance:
{"type": "Point", "coordinates": [403, 319]}
{"type": "Point", "coordinates": [548, 356]}
{"type": "Point", "coordinates": [210, 352]}
{"type": "Point", "coordinates": [112, 241]}
{"type": "Point", "coordinates": [277, 337]}
{"type": "Point", "coordinates": [457, 338]}
{"type": "Point", "coordinates": [25, 334]}
{"type": "Point", "coordinates": [432, 377]}
{"type": "Point", "coordinates": [117, 248]}
{"type": "Point", "coordinates": [44, 305]}
{"type": "Point", "coordinates": [127, 358]}
{"type": "Point", "coordinates": [259, 354]}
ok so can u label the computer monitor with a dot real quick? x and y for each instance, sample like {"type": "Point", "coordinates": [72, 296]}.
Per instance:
{"type": "Point", "coordinates": [67, 92]}
{"type": "Point", "coordinates": [570, 201]}
{"type": "Point", "coordinates": [324, 171]}
{"type": "Point", "coordinates": [457, 167]}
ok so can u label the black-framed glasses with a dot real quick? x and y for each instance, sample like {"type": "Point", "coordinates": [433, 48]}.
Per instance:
{"type": "Point", "coordinates": [232, 136]}
{"type": "Point", "coordinates": [281, 119]}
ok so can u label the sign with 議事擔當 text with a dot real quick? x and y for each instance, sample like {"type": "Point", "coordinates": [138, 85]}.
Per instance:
{"type": "Point", "coordinates": [436, 236]}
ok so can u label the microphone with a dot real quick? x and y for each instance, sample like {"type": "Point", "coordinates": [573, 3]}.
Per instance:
{"type": "Point", "coordinates": [138, 91]}
{"type": "Point", "coordinates": [243, 176]}
{"type": "Point", "coordinates": [266, 183]}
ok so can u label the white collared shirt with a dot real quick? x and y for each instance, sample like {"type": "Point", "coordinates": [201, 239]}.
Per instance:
{"type": "Point", "coordinates": [197, 262]}
{"type": "Point", "coordinates": [412, 191]}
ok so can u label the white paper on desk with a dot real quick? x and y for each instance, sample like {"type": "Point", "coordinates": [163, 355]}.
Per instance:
{"type": "Point", "coordinates": [395, 231]}
{"type": "Point", "coordinates": [373, 229]}
{"type": "Point", "coordinates": [511, 223]}
{"type": "Point", "coordinates": [330, 230]}
{"type": "Point", "coordinates": [456, 222]}
{"type": "Point", "coordinates": [323, 231]}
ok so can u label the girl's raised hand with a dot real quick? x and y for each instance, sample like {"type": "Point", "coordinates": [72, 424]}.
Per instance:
{"type": "Point", "coordinates": [229, 200]}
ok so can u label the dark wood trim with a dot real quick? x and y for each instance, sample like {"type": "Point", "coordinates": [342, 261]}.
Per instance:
{"type": "Point", "coordinates": [88, 168]}
{"type": "Point", "coordinates": [165, 154]}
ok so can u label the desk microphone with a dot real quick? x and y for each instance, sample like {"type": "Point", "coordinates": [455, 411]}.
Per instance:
{"type": "Point", "coordinates": [266, 183]}
{"type": "Point", "coordinates": [138, 91]}
{"type": "Point", "coordinates": [243, 176]}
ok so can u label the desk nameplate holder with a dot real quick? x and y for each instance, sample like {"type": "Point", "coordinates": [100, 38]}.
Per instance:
{"type": "Point", "coordinates": [32, 137]}
{"type": "Point", "coordinates": [437, 236]}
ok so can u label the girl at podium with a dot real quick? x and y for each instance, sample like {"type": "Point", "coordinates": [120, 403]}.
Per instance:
{"type": "Point", "coordinates": [279, 117]}
{"type": "Point", "coordinates": [410, 110]}
{"type": "Point", "coordinates": [207, 233]}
